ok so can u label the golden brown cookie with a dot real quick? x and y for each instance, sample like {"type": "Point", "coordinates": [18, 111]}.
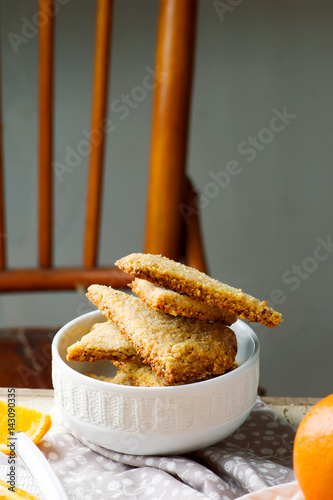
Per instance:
{"type": "Point", "coordinates": [140, 375]}
{"type": "Point", "coordinates": [121, 378]}
{"type": "Point", "coordinates": [189, 281]}
{"type": "Point", "coordinates": [143, 375]}
{"type": "Point", "coordinates": [178, 349]}
{"type": "Point", "coordinates": [174, 303]}
{"type": "Point", "coordinates": [104, 341]}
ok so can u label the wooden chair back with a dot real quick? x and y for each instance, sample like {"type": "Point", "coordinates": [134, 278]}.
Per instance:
{"type": "Point", "coordinates": [166, 231]}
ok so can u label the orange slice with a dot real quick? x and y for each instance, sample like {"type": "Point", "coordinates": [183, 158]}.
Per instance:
{"type": "Point", "coordinates": [11, 495]}
{"type": "Point", "coordinates": [20, 418]}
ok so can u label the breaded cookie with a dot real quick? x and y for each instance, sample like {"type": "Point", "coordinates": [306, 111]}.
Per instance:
{"type": "Point", "coordinates": [174, 303]}
{"type": "Point", "coordinates": [178, 349]}
{"type": "Point", "coordinates": [104, 341]}
{"type": "Point", "coordinates": [121, 378]}
{"type": "Point", "coordinates": [189, 281]}
{"type": "Point", "coordinates": [143, 376]}
{"type": "Point", "coordinates": [140, 375]}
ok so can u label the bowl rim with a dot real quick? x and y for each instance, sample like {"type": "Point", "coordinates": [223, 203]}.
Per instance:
{"type": "Point", "coordinates": [135, 390]}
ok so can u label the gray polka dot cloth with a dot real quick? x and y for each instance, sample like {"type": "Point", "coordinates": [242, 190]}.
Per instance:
{"type": "Point", "coordinates": [257, 455]}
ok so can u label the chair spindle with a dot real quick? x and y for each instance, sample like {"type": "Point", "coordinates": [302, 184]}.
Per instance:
{"type": "Point", "coordinates": [45, 132]}
{"type": "Point", "coordinates": [2, 200]}
{"type": "Point", "coordinates": [171, 108]}
{"type": "Point", "coordinates": [99, 109]}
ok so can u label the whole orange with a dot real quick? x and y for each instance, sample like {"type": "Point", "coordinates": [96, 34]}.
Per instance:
{"type": "Point", "coordinates": [313, 452]}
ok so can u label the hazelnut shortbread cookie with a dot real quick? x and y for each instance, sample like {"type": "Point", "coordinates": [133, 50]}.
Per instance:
{"type": "Point", "coordinates": [140, 375]}
{"type": "Point", "coordinates": [174, 303]}
{"type": "Point", "coordinates": [121, 378]}
{"type": "Point", "coordinates": [189, 281]}
{"type": "Point", "coordinates": [104, 341]}
{"type": "Point", "coordinates": [143, 376]}
{"type": "Point", "coordinates": [178, 349]}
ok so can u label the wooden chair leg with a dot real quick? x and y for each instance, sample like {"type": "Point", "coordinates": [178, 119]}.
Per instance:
{"type": "Point", "coordinates": [99, 109]}
{"type": "Point", "coordinates": [45, 210]}
{"type": "Point", "coordinates": [2, 200]}
{"type": "Point", "coordinates": [171, 105]}
{"type": "Point", "coordinates": [194, 251]}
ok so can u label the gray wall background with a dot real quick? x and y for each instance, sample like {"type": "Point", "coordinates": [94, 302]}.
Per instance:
{"type": "Point", "coordinates": [258, 225]}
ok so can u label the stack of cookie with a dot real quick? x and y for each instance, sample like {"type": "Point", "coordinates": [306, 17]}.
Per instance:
{"type": "Point", "coordinates": [176, 332]}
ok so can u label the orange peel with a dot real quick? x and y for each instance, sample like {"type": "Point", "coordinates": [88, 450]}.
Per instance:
{"type": "Point", "coordinates": [313, 451]}
{"type": "Point", "coordinates": [21, 418]}
{"type": "Point", "coordinates": [5, 492]}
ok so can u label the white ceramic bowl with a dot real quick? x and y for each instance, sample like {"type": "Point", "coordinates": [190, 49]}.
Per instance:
{"type": "Point", "coordinates": [152, 420]}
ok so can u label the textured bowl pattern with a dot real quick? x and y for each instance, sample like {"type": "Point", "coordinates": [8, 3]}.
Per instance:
{"type": "Point", "coordinates": [152, 413]}
{"type": "Point", "coordinates": [161, 419]}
